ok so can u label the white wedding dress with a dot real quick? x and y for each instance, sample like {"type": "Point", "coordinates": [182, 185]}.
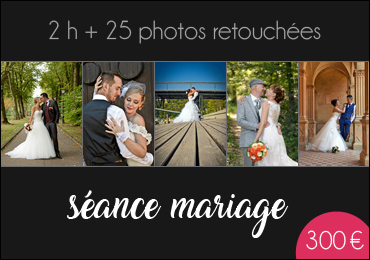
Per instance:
{"type": "Point", "coordinates": [38, 144]}
{"type": "Point", "coordinates": [276, 154]}
{"type": "Point", "coordinates": [189, 113]}
{"type": "Point", "coordinates": [138, 129]}
{"type": "Point", "coordinates": [328, 137]}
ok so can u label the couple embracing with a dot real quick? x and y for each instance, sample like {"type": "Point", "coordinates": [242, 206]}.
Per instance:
{"type": "Point", "coordinates": [42, 140]}
{"type": "Point", "coordinates": [258, 119]}
{"type": "Point", "coordinates": [114, 136]}
{"type": "Point", "coordinates": [190, 112]}
{"type": "Point", "coordinates": [329, 136]}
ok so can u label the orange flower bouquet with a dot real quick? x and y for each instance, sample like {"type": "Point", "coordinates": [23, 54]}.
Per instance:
{"type": "Point", "coordinates": [257, 151]}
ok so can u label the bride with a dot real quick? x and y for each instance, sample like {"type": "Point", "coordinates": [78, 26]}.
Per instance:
{"type": "Point", "coordinates": [269, 113]}
{"type": "Point", "coordinates": [134, 98]}
{"type": "Point", "coordinates": [329, 136]}
{"type": "Point", "coordinates": [190, 112]}
{"type": "Point", "coordinates": [38, 144]}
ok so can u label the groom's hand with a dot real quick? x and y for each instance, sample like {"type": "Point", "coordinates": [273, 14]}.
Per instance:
{"type": "Point", "coordinates": [279, 129]}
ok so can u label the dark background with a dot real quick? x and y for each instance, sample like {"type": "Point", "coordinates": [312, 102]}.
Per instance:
{"type": "Point", "coordinates": [35, 205]}
{"type": "Point", "coordinates": [35, 201]}
{"type": "Point", "coordinates": [25, 26]}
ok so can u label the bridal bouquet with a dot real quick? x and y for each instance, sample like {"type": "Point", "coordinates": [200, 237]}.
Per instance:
{"type": "Point", "coordinates": [257, 151]}
{"type": "Point", "coordinates": [27, 128]}
{"type": "Point", "coordinates": [335, 149]}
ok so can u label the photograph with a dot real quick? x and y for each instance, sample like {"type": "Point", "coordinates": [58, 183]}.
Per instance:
{"type": "Point", "coordinates": [41, 114]}
{"type": "Point", "coordinates": [190, 114]}
{"type": "Point", "coordinates": [262, 114]}
{"type": "Point", "coordinates": [118, 113]}
{"type": "Point", "coordinates": [333, 114]}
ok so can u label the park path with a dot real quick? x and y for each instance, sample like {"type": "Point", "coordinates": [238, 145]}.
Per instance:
{"type": "Point", "coordinates": [235, 153]}
{"type": "Point", "coordinates": [70, 150]}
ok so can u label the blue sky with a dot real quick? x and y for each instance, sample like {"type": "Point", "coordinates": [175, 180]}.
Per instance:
{"type": "Point", "coordinates": [191, 72]}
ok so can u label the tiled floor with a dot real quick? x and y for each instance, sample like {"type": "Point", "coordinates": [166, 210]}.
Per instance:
{"type": "Point", "coordinates": [312, 158]}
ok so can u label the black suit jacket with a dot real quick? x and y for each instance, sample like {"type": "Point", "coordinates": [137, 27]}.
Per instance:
{"type": "Point", "coordinates": [53, 112]}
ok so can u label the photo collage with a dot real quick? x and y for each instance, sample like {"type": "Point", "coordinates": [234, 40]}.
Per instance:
{"type": "Point", "coordinates": [184, 114]}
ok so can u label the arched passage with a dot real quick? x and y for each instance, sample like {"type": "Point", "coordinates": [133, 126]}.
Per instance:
{"type": "Point", "coordinates": [321, 82]}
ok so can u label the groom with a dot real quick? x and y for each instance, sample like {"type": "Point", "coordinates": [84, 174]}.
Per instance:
{"type": "Point", "coordinates": [248, 116]}
{"type": "Point", "coordinates": [347, 117]}
{"type": "Point", "coordinates": [50, 110]}
{"type": "Point", "coordinates": [102, 148]}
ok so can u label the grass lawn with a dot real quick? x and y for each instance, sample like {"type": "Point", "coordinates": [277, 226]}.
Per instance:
{"type": "Point", "coordinates": [8, 131]}
{"type": "Point", "coordinates": [74, 131]}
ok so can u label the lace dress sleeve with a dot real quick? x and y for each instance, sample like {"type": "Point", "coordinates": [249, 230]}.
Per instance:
{"type": "Point", "coordinates": [138, 129]}
{"type": "Point", "coordinates": [274, 112]}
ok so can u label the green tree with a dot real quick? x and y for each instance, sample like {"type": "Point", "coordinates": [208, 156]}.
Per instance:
{"type": "Point", "coordinates": [18, 80]}
{"type": "Point", "coordinates": [62, 82]}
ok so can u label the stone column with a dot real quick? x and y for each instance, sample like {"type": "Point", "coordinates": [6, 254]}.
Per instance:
{"type": "Point", "coordinates": [310, 89]}
{"type": "Point", "coordinates": [303, 123]}
{"type": "Point", "coordinates": [359, 100]}
{"type": "Point", "coordinates": [351, 91]}
{"type": "Point", "coordinates": [364, 156]}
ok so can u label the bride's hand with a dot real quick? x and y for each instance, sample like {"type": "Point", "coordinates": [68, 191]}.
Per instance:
{"type": "Point", "coordinates": [97, 85]}
{"type": "Point", "coordinates": [241, 99]}
{"type": "Point", "coordinates": [114, 127]}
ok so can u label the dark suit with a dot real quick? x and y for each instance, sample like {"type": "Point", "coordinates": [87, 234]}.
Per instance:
{"type": "Point", "coordinates": [53, 112]}
{"type": "Point", "coordinates": [196, 101]}
{"type": "Point", "coordinates": [101, 147]}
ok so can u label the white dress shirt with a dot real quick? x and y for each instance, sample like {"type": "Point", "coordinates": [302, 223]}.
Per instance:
{"type": "Point", "coordinates": [353, 114]}
{"type": "Point", "coordinates": [254, 99]}
{"type": "Point", "coordinates": [118, 115]}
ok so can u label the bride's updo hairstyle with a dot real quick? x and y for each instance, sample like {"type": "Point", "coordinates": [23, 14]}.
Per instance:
{"type": "Point", "coordinates": [279, 92]}
{"type": "Point", "coordinates": [334, 102]}
{"type": "Point", "coordinates": [136, 89]}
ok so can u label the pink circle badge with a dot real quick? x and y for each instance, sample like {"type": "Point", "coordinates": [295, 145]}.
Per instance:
{"type": "Point", "coordinates": [332, 235]}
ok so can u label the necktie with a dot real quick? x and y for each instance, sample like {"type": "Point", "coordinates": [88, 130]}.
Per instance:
{"type": "Point", "coordinates": [47, 116]}
{"type": "Point", "coordinates": [257, 106]}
